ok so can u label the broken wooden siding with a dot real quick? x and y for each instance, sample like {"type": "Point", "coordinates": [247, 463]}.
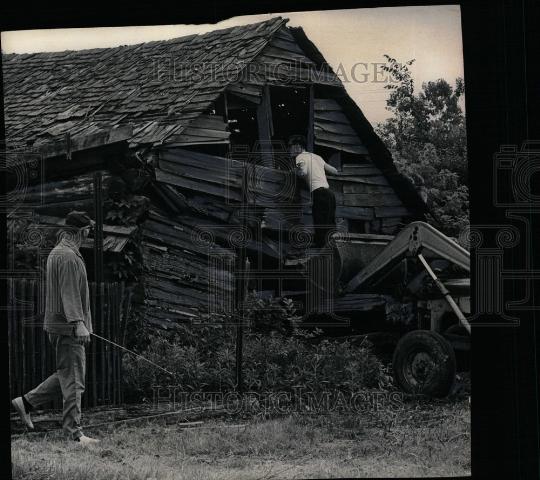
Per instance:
{"type": "Point", "coordinates": [57, 198]}
{"type": "Point", "coordinates": [333, 129]}
{"type": "Point", "coordinates": [185, 272]}
{"type": "Point", "coordinates": [213, 185]}
{"type": "Point", "coordinates": [115, 237]}
{"type": "Point", "coordinates": [205, 129]}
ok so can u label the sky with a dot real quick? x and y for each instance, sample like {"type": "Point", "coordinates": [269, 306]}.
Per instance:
{"type": "Point", "coordinates": [352, 41]}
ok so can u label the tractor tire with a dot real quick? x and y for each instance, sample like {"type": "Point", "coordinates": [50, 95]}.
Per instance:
{"type": "Point", "coordinates": [424, 363]}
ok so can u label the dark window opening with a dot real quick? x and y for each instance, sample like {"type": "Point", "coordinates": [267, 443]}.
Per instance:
{"type": "Point", "coordinates": [375, 226]}
{"type": "Point", "coordinates": [357, 226]}
{"type": "Point", "coordinates": [217, 149]}
{"type": "Point", "coordinates": [348, 158]}
{"type": "Point", "coordinates": [244, 130]}
{"type": "Point", "coordinates": [290, 113]}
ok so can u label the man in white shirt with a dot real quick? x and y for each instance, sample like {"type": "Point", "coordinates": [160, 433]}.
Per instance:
{"type": "Point", "coordinates": [313, 169]}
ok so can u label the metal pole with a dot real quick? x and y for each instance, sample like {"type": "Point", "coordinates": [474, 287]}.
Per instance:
{"type": "Point", "coordinates": [241, 269]}
{"type": "Point", "coordinates": [446, 294]}
{"type": "Point", "coordinates": [98, 246]}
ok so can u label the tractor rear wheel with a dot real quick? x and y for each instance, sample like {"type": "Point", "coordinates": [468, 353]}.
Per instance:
{"type": "Point", "coordinates": [424, 363]}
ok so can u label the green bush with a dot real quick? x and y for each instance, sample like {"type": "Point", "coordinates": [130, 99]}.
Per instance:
{"type": "Point", "coordinates": [277, 362]}
{"type": "Point", "coordinates": [202, 358]}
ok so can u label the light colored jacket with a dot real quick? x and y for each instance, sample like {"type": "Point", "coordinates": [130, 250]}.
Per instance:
{"type": "Point", "coordinates": [67, 300]}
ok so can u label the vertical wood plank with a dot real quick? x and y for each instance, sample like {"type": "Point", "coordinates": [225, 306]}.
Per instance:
{"type": "Point", "coordinates": [52, 369]}
{"type": "Point", "coordinates": [93, 349]}
{"type": "Point", "coordinates": [112, 320]}
{"type": "Point", "coordinates": [311, 120]}
{"type": "Point", "coordinates": [117, 299]}
{"type": "Point", "coordinates": [102, 345]}
{"type": "Point", "coordinates": [115, 339]}
{"type": "Point", "coordinates": [126, 312]}
{"type": "Point", "coordinates": [50, 363]}
{"type": "Point", "coordinates": [119, 336]}
{"type": "Point", "coordinates": [112, 350]}
{"type": "Point", "coordinates": [11, 340]}
{"type": "Point", "coordinates": [33, 331]}
{"type": "Point", "coordinates": [16, 286]}
{"type": "Point", "coordinates": [108, 335]}
{"type": "Point", "coordinates": [44, 349]}
{"type": "Point", "coordinates": [264, 126]}
{"type": "Point", "coordinates": [123, 296]}
{"type": "Point", "coordinates": [24, 350]}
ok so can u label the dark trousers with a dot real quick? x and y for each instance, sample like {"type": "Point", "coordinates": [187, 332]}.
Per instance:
{"type": "Point", "coordinates": [68, 381]}
{"type": "Point", "coordinates": [324, 215]}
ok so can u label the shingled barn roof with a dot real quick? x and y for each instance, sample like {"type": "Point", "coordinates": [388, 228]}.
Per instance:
{"type": "Point", "coordinates": [104, 90]}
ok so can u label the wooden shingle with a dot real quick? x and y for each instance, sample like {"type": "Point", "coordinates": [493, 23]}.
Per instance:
{"type": "Point", "coordinates": [48, 94]}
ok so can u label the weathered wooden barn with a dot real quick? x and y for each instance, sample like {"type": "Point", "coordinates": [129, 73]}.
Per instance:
{"type": "Point", "coordinates": [171, 125]}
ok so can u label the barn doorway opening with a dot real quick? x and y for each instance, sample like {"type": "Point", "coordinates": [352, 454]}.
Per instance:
{"type": "Point", "coordinates": [290, 113]}
{"type": "Point", "coordinates": [242, 120]}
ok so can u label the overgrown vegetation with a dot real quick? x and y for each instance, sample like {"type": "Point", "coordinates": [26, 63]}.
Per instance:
{"type": "Point", "coordinates": [125, 208]}
{"type": "Point", "coordinates": [277, 357]}
{"type": "Point", "coordinates": [427, 138]}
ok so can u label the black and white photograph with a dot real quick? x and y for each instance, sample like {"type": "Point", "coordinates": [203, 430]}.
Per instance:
{"type": "Point", "coordinates": [241, 249]}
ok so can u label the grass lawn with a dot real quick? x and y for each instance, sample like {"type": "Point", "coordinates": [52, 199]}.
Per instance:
{"type": "Point", "coordinates": [418, 439]}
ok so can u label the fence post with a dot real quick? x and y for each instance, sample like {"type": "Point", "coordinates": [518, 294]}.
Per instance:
{"type": "Point", "coordinates": [33, 331]}
{"type": "Point", "coordinates": [31, 359]}
{"type": "Point", "coordinates": [24, 372]}
{"type": "Point", "coordinates": [11, 343]}
{"type": "Point", "coordinates": [44, 347]}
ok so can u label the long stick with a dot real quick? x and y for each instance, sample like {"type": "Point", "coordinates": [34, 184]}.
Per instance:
{"type": "Point", "coordinates": [133, 353]}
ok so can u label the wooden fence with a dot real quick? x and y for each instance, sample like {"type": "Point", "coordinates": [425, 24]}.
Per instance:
{"type": "Point", "coordinates": [31, 358]}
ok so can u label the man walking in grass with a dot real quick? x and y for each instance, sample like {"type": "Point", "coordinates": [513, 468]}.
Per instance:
{"type": "Point", "coordinates": [68, 324]}
{"type": "Point", "coordinates": [313, 169]}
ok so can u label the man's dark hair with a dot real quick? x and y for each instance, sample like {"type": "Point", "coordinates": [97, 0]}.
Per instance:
{"type": "Point", "coordinates": [297, 140]}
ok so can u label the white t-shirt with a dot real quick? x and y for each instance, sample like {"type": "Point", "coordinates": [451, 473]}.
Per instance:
{"type": "Point", "coordinates": [312, 169]}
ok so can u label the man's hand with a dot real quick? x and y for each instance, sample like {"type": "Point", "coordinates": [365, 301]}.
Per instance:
{"type": "Point", "coordinates": [82, 334]}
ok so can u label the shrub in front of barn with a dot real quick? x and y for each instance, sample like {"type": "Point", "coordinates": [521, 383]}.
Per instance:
{"type": "Point", "coordinates": [277, 356]}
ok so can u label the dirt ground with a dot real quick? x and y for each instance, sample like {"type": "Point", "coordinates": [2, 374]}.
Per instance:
{"type": "Point", "coordinates": [419, 438]}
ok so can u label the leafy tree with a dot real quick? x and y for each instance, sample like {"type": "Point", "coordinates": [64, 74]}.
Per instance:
{"type": "Point", "coordinates": [427, 138]}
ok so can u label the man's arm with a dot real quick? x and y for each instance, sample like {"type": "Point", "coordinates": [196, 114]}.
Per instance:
{"type": "Point", "coordinates": [70, 292]}
{"type": "Point", "coordinates": [330, 169]}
